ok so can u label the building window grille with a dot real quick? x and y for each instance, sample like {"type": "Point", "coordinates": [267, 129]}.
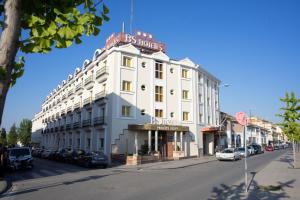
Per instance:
{"type": "Point", "coordinates": [171, 92]}
{"type": "Point", "coordinates": [127, 61]}
{"type": "Point", "coordinates": [158, 93]}
{"type": "Point", "coordinates": [143, 64]}
{"type": "Point", "coordinates": [171, 70]}
{"type": "Point", "coordinates": [172, 114]}
{"type": "Point", "coordinates": [126, 86]}
{"type": "Point", "coordinates": [185, 116]}
{"type": "Point", "coordinates": [143, 112]}
{"type": "Point", "coordinates": [143, 87]}
{"type": "Point", "coordinates": [158, 70]}
{"type": "Point", "coordinates": [159, 113]}
{"type": "Point", "coordinates": [126, 111]}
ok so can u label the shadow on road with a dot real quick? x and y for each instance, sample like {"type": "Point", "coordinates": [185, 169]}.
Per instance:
{"type": "Point", "coordinates": [237, 192]}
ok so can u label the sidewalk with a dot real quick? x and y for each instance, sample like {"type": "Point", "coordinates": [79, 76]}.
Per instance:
{"type": "Point", "coordinates": [176, 164]}
{"type": "Point", "coordinates": [278, 180]}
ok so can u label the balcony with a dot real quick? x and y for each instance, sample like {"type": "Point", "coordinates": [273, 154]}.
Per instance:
{"type": "Point", "coordinates": [71, 92]}
{"type": "Point", "coordinates": [76, 125]}
{"type": "Point", "coordinates": [76, 105]}
{"type": "Point", "coordinates": [101, 74]}
{"type": "Point", "coordinates": [87, 101]}
{"type": "Point", "coordinates": [68, 126]}
{"type": "Point", "coordinates": [100, 95]}
{"type": "Point", "coordinates": [98, 121]}
{"type": "Point", "coordinates": [86, 123]}
{"type": "Point", "coordinates": [78, 88]}
{"type": "Point", "coordinates": [88, 80]}
{"type": "Point", "coordinates": [69, 109]}
{"type": "Point", "coordinates": [64, 96]}
{"type": "Point", "coordinates": [62, 112]}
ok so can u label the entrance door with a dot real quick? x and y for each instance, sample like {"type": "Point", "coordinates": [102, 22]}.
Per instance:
{"type": "Point", "coordinates": [170, 138]}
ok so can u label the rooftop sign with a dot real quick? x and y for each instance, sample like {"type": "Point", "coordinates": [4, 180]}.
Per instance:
{"type": "Point", "coordinates": [143, 41]}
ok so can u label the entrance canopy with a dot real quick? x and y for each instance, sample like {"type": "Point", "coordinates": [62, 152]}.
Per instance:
{"type": "Point", "coordinates": [157, 127]}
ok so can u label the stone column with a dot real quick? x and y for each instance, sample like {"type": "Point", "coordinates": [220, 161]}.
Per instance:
{"type": "Point", "coordinates": [149, 141]}
{"type": "Point", "coordinates": [181, 141]}
{"type": "Point", "coordinates": [156, 141]}
{"type": "Point", "coordinates": [175, 141]}
{"type": "Point", "coordinates": [136, 143]}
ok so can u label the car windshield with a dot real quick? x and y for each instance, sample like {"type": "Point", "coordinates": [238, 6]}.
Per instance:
{"type": "Point", "coordinates": [19, 152]}
{"type": "Point", "coordinates": [241, 149]}
{"type": "Point", "coordinates": [227, 151]}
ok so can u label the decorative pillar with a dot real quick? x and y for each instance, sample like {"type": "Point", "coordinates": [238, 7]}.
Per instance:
{"type": "Point", "coordinates": [181, 141]}
{"type": "Point", "coordinates": [156, 141]}
{"type": "Point", "coordinates": [149, 141]}
{"type": "Point", "coordinates": [175, 141]}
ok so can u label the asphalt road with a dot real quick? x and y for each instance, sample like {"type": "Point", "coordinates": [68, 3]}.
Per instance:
{"type": "Point", "coordinates": [51, 180]}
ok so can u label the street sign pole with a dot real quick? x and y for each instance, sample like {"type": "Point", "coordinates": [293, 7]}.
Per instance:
{"type": "Point", "coordinates": [241, 118]}
{"type": "Point", "coordinates": [246, 167]}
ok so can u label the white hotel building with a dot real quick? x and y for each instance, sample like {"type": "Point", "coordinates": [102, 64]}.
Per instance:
{"type": "Point", "coordinates": [131, 98]}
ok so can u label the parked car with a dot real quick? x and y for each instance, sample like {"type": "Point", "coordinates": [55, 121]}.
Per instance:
{"type": "Point", "coordinates": [77, 154]}
{"type": "Point", "coordinates": [46, 153]}
{"type": "Point", "coordinates": [228, 154]}
{"type": "Point", "coordinates": [19, 157]}
{"type": "Point", "coordinates": [276, 147]}
{"type": "Point", "coordinates": [93, 159]}
{"type": "Point", "coordinates": [241, 150]}
{"type": "Point", "coordinates": [269, 148]}
{"type": "Point", "coordinates": [63, 154]}
{"type": "Point", "coordinates": [251, 150]}
{"type": "Point", "coordinates": [257, 148]}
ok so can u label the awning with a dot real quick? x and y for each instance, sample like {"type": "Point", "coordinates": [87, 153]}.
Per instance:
{"type": "Point", "coordinates": [210, 129]}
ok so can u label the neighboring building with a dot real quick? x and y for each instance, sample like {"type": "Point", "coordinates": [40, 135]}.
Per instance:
{"type": "Point", "coordinates": [37, 128]}
{"type": "Point", "coordinates": [131, 98]}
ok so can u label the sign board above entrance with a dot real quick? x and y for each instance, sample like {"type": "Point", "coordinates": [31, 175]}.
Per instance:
{"type": "Point", "coordinates": [143, 41]}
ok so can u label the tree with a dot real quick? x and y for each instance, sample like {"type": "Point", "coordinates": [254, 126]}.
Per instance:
{"type": "Point", "coordinates": [24, 132]}
{"type": "Point", "coordinates": [291, 117]}
{"type": "Point", "coordinates": [3, 139]}
{"type": "Point", "coordinates": [33, 26]}
{"type": "Point", "coordinates": [12, 137]}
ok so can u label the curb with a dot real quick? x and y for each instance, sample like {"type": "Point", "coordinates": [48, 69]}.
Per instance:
{"type": "Point", "coordinates": [4, 185]}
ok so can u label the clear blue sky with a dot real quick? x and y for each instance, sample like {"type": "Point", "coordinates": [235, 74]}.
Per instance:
{"type": "Point", "coordinates": [252, 44]}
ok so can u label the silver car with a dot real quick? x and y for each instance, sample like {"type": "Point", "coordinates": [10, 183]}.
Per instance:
{"type": "Point", "coordinates": [228, 154]}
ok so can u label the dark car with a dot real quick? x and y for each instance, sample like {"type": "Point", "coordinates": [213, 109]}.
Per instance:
{"type": "Point", "coordinates": [94, 159]}
{"type": "Point", "coordinates": [257, 149]}
{"type": "Point", "coordinates": [64, 155]}
{"type": "Point", "coordinates": [76, 154]}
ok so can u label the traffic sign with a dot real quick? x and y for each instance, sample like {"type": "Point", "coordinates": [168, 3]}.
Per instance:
{"type": "Point", "coordinates": [241, 118]}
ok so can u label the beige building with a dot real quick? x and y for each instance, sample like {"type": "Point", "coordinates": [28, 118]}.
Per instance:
{"type": "Point", "coordinates": [131, 98]}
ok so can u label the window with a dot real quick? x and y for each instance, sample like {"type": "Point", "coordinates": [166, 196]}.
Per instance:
{"type": "Point", "coordinates": [143, 112]}
{"type": "Point", "coordinates": [185, 116]}
{"type": "Point", "coordinates": [143, 64]}
{"type": "Point", "coordinates": [208, 119]}
{"type": "Point", "coordinates": [171, 70]}
{"type": "Point", "coordinates": [158, 70]}
{"type": "Point", "coordinates": [184, 73]}
{"type": "Point", "coordinates": [172, 114]}
{"type": "Point", "coordinates": [143, 87]}
{"type": "Point", "coordinates": [159, 113]}
{"type": "Point", "coordinates": [78, 143]}
{"type": "Point", "coordinates": [185, 94]}
{"type": "Point", "coordinates": [88, 143]}
{"type": "Point", "coordinates": [201, 118]}
{"type": "Point", "coordinates": [126, 111]}
{"type": "Point", "coordinates": [127, 61]}
{"type": "Point", "coordinates": [159, 93]}
{"type": "Point", "coordinates": [101, 143]}
{"type": "Point", "coordinates": [208, 101]}
{"type": "Point", "coordinates": [171, 92]}
{"type": "Point", "coordinates": [126, 86]}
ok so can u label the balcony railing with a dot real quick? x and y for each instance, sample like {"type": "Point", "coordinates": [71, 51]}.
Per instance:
{"type": "Point", "coordinates": [86, 123]}
{"type": "Point", "coordinates": [62, 112]}
{"type": "Point", "coordinates": [70, 92]}
{"type": "Point", "coordinates": [98, 120]}
{"type": "Point", "coordinates": [76, 105]}
{"type": "Point", "coordinates": [76, 125]}
{"type": "Point", "coordinates": [101, 71]}
{"type": "Point", "coordinates": [88, 80]}
{"type": "Point", "coordinates": [87, 101]}
{"type": "Point", "coordinates": [100, 95]}
{"type": "Point", "coordinates": [68, 126]}
{"type": "Point", "coordinates": [78, 87]}
{"type": "Point", "coordinates": [69, 109]}
{"type": "Point", "coordinates": [63, 96]}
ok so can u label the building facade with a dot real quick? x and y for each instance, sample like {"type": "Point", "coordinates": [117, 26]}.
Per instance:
{"type": "Point", "coordinates": [131, 98]}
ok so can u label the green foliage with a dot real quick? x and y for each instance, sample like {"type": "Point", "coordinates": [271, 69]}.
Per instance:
{"type": "Point", "coordinates": [55, 23]}
{"type": "Point", "coordinates": [3, 139]}
{"type": "Point", "coordinates": [291, 116]}
{"type": "Point", "coordinates": [12, 137]}
{"type": "Point", "coordinates": [24, 132]}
